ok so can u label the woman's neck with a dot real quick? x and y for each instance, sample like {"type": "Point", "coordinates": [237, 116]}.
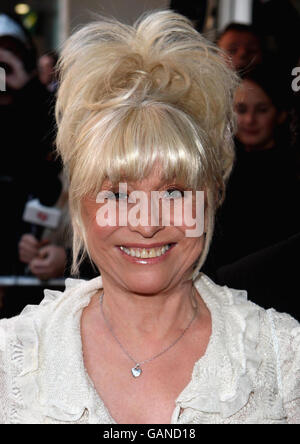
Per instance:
{"type": "Point", "coordinates": [155, 316]}
{"type": "Point", "coordinates": [262, 147]}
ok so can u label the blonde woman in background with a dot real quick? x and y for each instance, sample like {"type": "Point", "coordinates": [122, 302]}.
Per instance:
{"type": "Point", "coordinates": [153, 340]}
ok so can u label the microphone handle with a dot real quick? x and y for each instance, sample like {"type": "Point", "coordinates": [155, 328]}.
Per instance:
{"type": "Point", "coordinates": [36, 231]}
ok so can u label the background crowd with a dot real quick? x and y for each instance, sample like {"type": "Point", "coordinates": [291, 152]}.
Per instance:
{"type": "Point", "coordinates": [256, 242]}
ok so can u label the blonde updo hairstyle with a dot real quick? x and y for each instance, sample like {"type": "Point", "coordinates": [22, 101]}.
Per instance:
{"type": "Point", "coordinates": [130, 96]}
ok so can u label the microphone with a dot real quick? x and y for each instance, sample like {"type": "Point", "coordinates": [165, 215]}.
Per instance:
{"type": "Point", "coordinates": [39, 210]}
{"type": "Point", "coordinates": [41, 215]}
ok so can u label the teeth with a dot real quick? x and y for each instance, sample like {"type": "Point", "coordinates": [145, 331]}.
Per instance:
{"type": "Point", "coordinates": [152, 253]}
{"type": "Point", "coordinates": [145, 253]}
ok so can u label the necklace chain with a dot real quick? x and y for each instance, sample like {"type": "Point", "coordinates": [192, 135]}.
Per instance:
{"type": "Point", "coordinates": [136, 370]}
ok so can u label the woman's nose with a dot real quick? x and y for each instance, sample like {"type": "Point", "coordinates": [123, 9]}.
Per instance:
{"type": "Point", "coordinates": [249, 117]}
{"type": "Point", "coordinates": [242, 53]}
{"type": "Point", "coordinates": [145, 224]}
{"type": "Point", "coordinates": [147, 231]}
{"type": "Point", "coordinates": [146, 218]}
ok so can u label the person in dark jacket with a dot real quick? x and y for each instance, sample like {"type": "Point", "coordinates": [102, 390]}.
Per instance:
{"type": "Point", "coordinates": [261, 207]}
{"type": "Point", "coordinates": [256, 241]}
{"type": "Point", "coordinates": [270, 276]}
{"type": "Point", "coordinates": [27, 168]}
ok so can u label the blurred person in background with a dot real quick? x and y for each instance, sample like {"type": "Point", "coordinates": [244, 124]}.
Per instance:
{"type": "Point", "coordinates": [46, 260]}
{"type": "Point", "coordinates": [270, 276]}
{"type": "Point", "coordinates": [46, 67]}
{"type": "Point", "coordinates": [243, 46]}
{"type": "Point", "coordinates": [264, 177]}
{"type": "Point", "coordinates": [50, 256]}
{"type": "Point", "coordinates": [47, 257]}
{"type": "Point", "coordinates": [264, 181]}
{"type": "Point", "coordinates": [27, 167]}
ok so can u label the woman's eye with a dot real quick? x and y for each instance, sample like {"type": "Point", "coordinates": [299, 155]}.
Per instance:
{"type": "Point", "coordinates": [263, 110]}
{"type": "Point", "coordinates": [120, 196]}
{"type": "Point", "coordinates": [240, 109]}
{"type": "Point", "coordinates": [172, 194]}
{"type": "Point", "coordinates": [111, 195]}
{"type": "Point", "coordinates": [232, 51]}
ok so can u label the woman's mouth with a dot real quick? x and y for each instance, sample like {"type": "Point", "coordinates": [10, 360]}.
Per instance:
{"type": "Point", "coordinates": [251, 132]}
{"type": "Point", "coordinates": [148, 253]}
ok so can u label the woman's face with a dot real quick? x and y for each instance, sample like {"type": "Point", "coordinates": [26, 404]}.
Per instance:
{"type": "Point", "coordinates": [243, 49]}
{"type": "Point", "coordinates": [145, 257]}
{"type": "Point", "coordinates": [46, 68]}
{"type": "Point", "coordinates": [257, 117]}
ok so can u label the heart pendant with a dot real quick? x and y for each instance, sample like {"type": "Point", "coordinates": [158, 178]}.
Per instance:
{"type": "Point", "coordinates": [136, 371]}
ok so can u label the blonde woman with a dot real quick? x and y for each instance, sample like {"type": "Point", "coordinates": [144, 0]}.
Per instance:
{"type": "Point", "coordinates": [146, 111]}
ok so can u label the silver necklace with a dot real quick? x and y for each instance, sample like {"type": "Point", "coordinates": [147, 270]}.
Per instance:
{"type": "Point", "coordinates": [136, 371]}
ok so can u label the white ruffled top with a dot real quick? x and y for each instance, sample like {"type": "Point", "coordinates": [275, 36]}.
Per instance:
{"type": "Point", "coordinates": [250, 373]}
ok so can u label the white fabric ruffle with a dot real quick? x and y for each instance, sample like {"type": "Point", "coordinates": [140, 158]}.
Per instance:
{"type": "Point", "coordinates": [222, 380]}
{"type": "Point", "coordinates": [236, 377]}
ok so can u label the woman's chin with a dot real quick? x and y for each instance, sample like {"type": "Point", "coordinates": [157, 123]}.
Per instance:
{"type": "Point", "coordinates": [148, 284]}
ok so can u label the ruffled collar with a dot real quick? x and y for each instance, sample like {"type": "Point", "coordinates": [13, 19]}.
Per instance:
{"type": "Point", "coordinates": [59, 387]}
{"type": "Point", "coordinates": [223, 379]}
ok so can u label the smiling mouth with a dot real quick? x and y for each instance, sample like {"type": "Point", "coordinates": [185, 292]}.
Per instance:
{"type": "Point", "coordinates": [251, 132]}
{"type": "Point", "coordinates": [146, 253]}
